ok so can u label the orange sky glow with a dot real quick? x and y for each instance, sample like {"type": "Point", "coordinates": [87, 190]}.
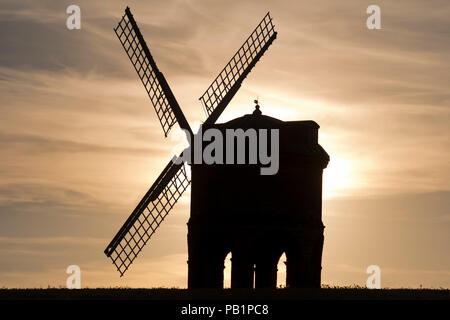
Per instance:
{"type": "Point", "coordinates": [81, 143]}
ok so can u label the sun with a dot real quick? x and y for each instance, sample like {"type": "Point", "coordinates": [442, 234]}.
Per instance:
{"type": "Point", "coordinates": [337, 178]}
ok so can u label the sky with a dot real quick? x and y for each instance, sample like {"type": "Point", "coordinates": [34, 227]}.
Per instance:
{"type": "Point", "coordinates": [80, 143]}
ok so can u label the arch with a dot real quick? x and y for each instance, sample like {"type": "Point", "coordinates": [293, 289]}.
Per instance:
{"type": "Point", "coordinates": [227, 271]}
{"type": "Point", "coordinates": [281, 271]}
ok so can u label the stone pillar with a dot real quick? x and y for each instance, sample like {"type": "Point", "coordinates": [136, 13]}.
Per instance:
{"type": "Point", "coordinates": [242, 270]}
{"type": "Point", "coordinates": [303, 265]}
{"type": "Point", "coordinates": [266, 274]}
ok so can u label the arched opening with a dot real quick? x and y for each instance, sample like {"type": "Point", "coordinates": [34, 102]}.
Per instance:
{"type": "Point", "coordinates": [227, 272]}
{"type": "Point", "coordinates": [254, 276]}
{"type": "Point", "coordinates": [281, 273]}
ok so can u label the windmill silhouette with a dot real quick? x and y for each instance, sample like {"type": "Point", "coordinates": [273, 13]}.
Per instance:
{"type": "Point", "coordinates": [173, 180]}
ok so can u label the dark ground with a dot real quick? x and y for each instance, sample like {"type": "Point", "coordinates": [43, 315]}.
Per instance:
{"type": "Point", "coordinates": [227, 294]}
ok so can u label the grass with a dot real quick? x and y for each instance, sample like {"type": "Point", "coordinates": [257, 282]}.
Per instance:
{"type": "Point", "coordinates": [325, 293]}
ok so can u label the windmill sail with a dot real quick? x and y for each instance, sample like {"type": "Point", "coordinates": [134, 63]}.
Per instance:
{"type": "Point", "coordinates": [148, 215]}
{"type": "Point", "coordinates": [161, 96]}
{"type": "Point", "coordinates": [229, 80]}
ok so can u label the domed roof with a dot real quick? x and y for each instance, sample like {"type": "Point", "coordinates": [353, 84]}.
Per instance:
{"type": "Point", "coordinates": [258, 120]}
{"type": "Point", "coordinates": [253, 121]}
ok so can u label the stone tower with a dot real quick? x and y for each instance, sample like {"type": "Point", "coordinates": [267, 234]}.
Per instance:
{"type": "Point", "coordinates": [259, 217]}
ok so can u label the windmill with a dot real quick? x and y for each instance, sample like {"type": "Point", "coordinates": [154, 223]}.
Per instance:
{"type": "Point", "coordinates": [173, 180]}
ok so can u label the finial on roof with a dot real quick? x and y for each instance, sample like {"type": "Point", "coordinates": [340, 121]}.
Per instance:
{"type": "Point", "coordinates": [257, 111]}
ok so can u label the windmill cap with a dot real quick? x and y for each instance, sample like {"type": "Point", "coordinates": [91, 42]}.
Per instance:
{"type": "Point", "coordinates": [296, 137]}
{"type": "Point", "coordinates": [258, 120]}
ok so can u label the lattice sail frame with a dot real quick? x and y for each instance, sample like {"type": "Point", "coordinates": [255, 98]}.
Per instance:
{"type": "Point", "coordinates": [147, 216]}
{"type": "Point", "coordinates": [258, 41]}
{"type": "Point", "coordinates": [134, 45]}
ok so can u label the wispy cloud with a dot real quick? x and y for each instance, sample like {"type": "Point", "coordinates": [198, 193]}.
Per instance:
{"type": "Point", "coordinates": [31, 144]}
{"type": "Point", "coordinates": [80, 143]}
